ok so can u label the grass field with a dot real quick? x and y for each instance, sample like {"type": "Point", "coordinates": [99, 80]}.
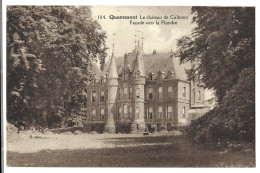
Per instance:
{"type": "Point", "coordinates": [150, 151]}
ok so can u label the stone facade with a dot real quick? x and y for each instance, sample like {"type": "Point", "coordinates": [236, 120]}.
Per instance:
{"type": "Point", "coordinates": [141, 92]}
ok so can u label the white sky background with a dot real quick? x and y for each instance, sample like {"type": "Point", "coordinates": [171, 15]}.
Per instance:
{"type": "Point", "coordinates": [156, 37]}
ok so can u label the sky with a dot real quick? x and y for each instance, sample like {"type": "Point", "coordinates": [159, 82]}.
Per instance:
{"type": "Point", "coordinates": [156, 37]}
{"type": "Point", "coordinates": [161, 38]}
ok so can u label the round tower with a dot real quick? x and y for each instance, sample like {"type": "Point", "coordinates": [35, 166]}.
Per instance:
{"type": "Point", "coordinates": [138, 76]}
{"type": "Point", "coordinates": [112, 88]}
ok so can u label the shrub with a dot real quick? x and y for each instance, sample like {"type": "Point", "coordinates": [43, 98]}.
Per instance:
{"type": "Point", "coordinates": [232, 122]}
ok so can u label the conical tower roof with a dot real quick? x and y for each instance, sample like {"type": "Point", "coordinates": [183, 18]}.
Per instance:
{"type": "Point", "coordinates": [112, 69]}
{"type": "Point", "coordinates": [139, 63]}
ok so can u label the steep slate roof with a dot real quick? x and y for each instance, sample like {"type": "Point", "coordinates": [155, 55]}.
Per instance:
{"type": "Point", "coordinates": [112, 69]}
{"type": "Point", "coordinates": [158, 62]}
{"type": "Point", "coordinates": [154, 63]}
{"type": "Point", "coordinates": [107, 67]}
{"type": "Point", "coordinates": [139, 64]}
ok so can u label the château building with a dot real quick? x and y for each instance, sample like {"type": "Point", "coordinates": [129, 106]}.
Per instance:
{"type": "Point", "coordinates": [142, 91]}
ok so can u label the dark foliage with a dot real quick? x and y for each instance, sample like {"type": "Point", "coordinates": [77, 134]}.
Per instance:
{"type": "Point", "coordinates": [232, 122]}
{"type": "Point", "coordinates": [220, 46]}
{"type": "Point", "coordinates": [51, 51]}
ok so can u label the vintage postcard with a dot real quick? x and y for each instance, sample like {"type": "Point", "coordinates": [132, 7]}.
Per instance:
{"type": "Point", "coordinates": [130, 86]}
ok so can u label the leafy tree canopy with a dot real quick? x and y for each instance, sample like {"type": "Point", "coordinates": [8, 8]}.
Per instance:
{"type": "Point", "coordinates": [220, 46]}
{"type": "Point", "coordinates": [51, 49]}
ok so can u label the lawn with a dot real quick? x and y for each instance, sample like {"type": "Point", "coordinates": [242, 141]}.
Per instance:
{"type": "Point", "coordinates": [150, 151]}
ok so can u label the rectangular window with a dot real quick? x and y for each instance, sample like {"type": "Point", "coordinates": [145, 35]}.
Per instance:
{"type": "Point", "coordinates": [125, 111]}
{"type": "Point", "coordinates": [125, 77]}
{"type": "Point", "coordinates": [160, 92]}
{"type": "Point", "coordinates": [130, 93]}
{"type": "Point", "coordinates": [119, 112]}
{"type": "Point", "coordinates": [199, 95]}
{"type": "Point", "coordinates": [169, 92]}
{"type": "Point", "coordinates": [102, 96]}
{"type": "Point", "coordinates": [102, 114]}
{"type": "Point", "coordinates": [125, 92]}
{"type": "Point", "coordinates": [137, 92]}
{"type": "Point", "coordinates": [150, 93]}
{"type": "Point", "coordinates": [137, 110]}
{"type": "Point", "coordinates": [94, 96]}
{"type": "Point", "coordinates": [93, 114]}
{"type": "Point", "coordinates": [130, 112]}
{"type": "Point", "coordinates": [194, 97]}
{"type": "Point", "coordinates": [160, 112]}
{"type": "Point", "coordinates": [150, 113]}
{"type": "Point", "coordinates": [169, 112]}
{"type": "Point", "coordinates": [184, 92]}
{"type": "Point", "coordinates": [119, 93]}
{"type": "Point", "coordinates": [184, 112]}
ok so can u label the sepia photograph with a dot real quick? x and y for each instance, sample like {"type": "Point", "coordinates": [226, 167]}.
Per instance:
{"type": "Point", "coordinates": [130, 86]}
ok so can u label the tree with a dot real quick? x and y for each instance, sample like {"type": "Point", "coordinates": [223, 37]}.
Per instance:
{"type": "Point", "coordinates": [64, 39]}
{"type": "Point", "coordinates": [220, 46]}
{"type": "Point", "coordinates": [23, 71]}
{"type": "Point", "coordinates": [233, 120]}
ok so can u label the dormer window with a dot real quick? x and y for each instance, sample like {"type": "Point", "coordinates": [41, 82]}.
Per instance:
{"type": "Point", "coordinates": [161, 75]}
{"type": "Point", "coordinates": [151, 76]}
{"type": "Point", "coordinates": [138, 75]}
{"type": "Point", "coordinates": [102, 80]}
{"type": "Point", "coordinates": [125, 76]}
{"type": "Point", "coordinates": [170, 74]}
